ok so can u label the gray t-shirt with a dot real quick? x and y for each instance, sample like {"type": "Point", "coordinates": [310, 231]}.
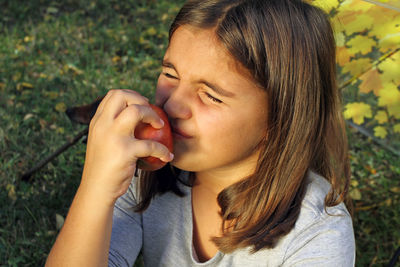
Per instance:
{"type": "Point", "coordinates": [164, 234]}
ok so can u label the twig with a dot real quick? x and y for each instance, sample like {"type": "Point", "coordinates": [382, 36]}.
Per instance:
{"type": "Point", "coordinates": [374, 64]}
{"type": "Point", "coordinates": [365, 132]}
{"type": "Point", "coordinates": [26, 176]}
{"type": "Point", "coordinates": [394, 259]}
{"type": "Point", "coordinates": [383, 5]}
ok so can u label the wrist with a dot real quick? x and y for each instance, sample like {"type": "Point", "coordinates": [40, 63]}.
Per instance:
{"type": "Point", "coordinates": [96, 194]}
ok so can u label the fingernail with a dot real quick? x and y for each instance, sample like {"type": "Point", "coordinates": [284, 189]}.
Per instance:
{"type": "Point", "coordinates": [169, 158]}
{"type": "Point", "coordinates": [162, 123]}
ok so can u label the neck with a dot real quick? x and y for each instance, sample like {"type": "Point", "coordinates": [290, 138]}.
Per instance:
{"type": "Point", "coordinates": [216, 180]}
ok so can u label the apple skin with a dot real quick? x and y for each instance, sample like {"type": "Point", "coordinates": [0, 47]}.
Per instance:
{"type": "Point", "coordinates": [164, 136]}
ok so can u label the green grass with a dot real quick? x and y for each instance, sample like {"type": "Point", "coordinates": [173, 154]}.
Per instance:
{"type": "Point", "coordinates": [375, 188]}
{"type": "Point", "coordinates": [53, 56]}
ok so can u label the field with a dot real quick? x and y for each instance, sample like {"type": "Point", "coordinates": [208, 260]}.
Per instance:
{"type": "Point", "coordinates": [55, 56]}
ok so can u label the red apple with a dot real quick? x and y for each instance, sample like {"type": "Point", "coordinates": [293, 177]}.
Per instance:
{"type": "Point", "coordinates": [163, 135]}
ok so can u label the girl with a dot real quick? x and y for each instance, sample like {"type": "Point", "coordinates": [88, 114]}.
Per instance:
{"type": "Point", "coordinates": [259, 171]}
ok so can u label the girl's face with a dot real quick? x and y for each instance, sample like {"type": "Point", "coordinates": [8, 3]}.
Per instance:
{"type": "Point", "coordinates": [217, 113]}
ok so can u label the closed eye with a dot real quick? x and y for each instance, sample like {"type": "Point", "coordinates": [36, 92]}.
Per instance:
{"type": "Point", "coordinates": [166, 74]}
{"type": "Point", "coordinates": [216, 100]}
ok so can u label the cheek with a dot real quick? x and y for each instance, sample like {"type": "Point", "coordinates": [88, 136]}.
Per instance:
{"type": "Point", "coordinates": [230, 130]}
{"type": "Point", "coordinates": [213, 125]}
{"type": "Point", "coordinates": [163, 91]}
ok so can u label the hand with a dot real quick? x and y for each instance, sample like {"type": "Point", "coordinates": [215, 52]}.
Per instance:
{"type": "Point", "coordinates": [112, 149]}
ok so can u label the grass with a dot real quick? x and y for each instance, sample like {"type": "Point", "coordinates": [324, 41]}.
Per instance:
{"type": "Point", "coordinates": [53, 56]}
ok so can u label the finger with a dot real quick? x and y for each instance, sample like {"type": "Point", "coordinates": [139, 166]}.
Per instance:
{"type": "Point", "coordinates": [130, 117]}
{"type": "Point", "coordinates": [150, 148]}
{"type": "Point", "coordinates": [119, 100]}
{"type": "Point", "coordinates": [104, 101]}
{"type": "Point", "coordinates": [101, 106]}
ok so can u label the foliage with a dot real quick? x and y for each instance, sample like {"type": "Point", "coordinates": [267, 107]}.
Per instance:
{"type": "Point", "coordinates": [368, 59]}
{"type": "Point", "coordinates": [375, 188]}
{"type": "Point", "coordinates": [54, 56]}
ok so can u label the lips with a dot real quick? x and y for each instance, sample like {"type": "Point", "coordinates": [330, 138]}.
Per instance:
{"type": "Point", "coordinates": [179, 133]}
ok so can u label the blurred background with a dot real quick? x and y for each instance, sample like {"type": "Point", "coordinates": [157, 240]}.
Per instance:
{"type": "Point", "coordinates": [55, 55]}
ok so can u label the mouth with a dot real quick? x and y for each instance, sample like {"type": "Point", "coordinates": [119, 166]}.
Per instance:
{"type": "Point", "coordinates": [179, 134]}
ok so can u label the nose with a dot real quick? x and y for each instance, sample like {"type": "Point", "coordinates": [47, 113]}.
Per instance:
{"type": "Point", "coordinates": [175, 100]}
{"type": "Point", "coordinates": [177, 105]}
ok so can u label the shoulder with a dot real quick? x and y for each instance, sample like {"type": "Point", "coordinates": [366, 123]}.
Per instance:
{"type": "Point", "coordinates": [323, 234]}
{"type": "Point", "coordinates": [313, 204]}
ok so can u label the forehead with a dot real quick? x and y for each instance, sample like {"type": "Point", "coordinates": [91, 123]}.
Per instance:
{"type": "Point", "coordinates": [189, 41]}
{"type": "Point", "coordinates": [200, 50]}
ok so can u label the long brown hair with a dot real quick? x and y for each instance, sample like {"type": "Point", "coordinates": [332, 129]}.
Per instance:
{"type": "Point", "coordinates": [289, 48]}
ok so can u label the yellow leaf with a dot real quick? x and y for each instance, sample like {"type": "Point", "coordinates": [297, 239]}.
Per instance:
{"type": "Point", "coordinates": [354, 5]}
{"type": "Point", "coordinates": [370, 169]}
{"type": "Point", "coordinates": [28, 116]}
{"type": "Point", "coordinates": [381, 116]}
{"type": "Point", "coordinates": [59, 221]}
{"type": "Point", "coordinates": [346, 16]}
{"type": "Point", "coordinates": [355, 194]}
{"type": "Point", "coordinates": [390, 98]}
{"type": "Point", "coordinates": [16, 76]}
{"type": "Point", "coordinates": [151, 31]}
{"type": "Point", "coordinates": [354, 183]}
{"type": "Point", "coordinates": [11, 192]}
{"type": "Point", "coordinates": [361, 24]}
{"type": "Point", "coordinates": [361, 44]}
{"type": "Point", "coordinates": [371, 81]}
{"type": "Point", "coordinates": [342, 56]}
{"type": "Point", "coordinates": [390, 68]}
{"type": "Point", "coordinates": [52, 94]}
{"type": "Point", "coordinates": [357, 66]}
{"type": "Point", "coordinates": [73, 68]}
{"type": "Point", "coordinates": [394, 111]}
{"type": "Point", "coordinates": [354, 19]}
{"type": "Point", "coordinates": [61, 107]}
{"type": "Point", "coordinates": [20, 48]}
{"type": "Point", "coordinates": [60, 130]}
{"type": "Point", "coordinates": [380, 132]}
{"type": "Point", "coordinates": [395, 189]}
{"type": "Point", "coordinates": [326, 5]}
{"type": "Point", "coordinates": [28, 39]}
{"type": "Point", "coordinates": [357, 111]}
{"type": "Point", "coordinates": [386, 27]}
{"type": "Point", "coordinates": [386, 22]}
{"type": "Point", "coordinates": [116, 59]}
{"type": "Point", "coordinates": [142, 40]}
{"type": "Point", "coordinates": [390, 42]}
{"type": "Point", "coordinates": [24, 85]}
{"type": "Point", "coordinates": [52, 10]}
{"type": "Point", "coordinates": [396, 128]}
{"type": "Point", "coordinates": [164, 17]}
{"type": "Point", "coordinates": [340, 39]}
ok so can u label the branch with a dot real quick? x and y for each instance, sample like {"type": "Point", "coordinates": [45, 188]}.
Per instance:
{"type": "Point", "coordinates": [27, 176]}
{"type": "Point", "coordinates": [365, 132]}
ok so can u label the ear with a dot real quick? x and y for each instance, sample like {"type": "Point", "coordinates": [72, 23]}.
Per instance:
{"type": "Point", "coordinates": [83, 114]}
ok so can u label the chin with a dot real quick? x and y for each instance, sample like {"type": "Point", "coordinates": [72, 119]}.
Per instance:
{"type": "Point", "coordinates": [186, 165]}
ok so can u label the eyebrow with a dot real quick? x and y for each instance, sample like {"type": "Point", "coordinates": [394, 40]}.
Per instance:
{"type": "Point", "coordinates": [217, 89]}
{"type": "Point", "coordinates": [212, 86]}
{"type": "Point", "coordinates": [167, 64]}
